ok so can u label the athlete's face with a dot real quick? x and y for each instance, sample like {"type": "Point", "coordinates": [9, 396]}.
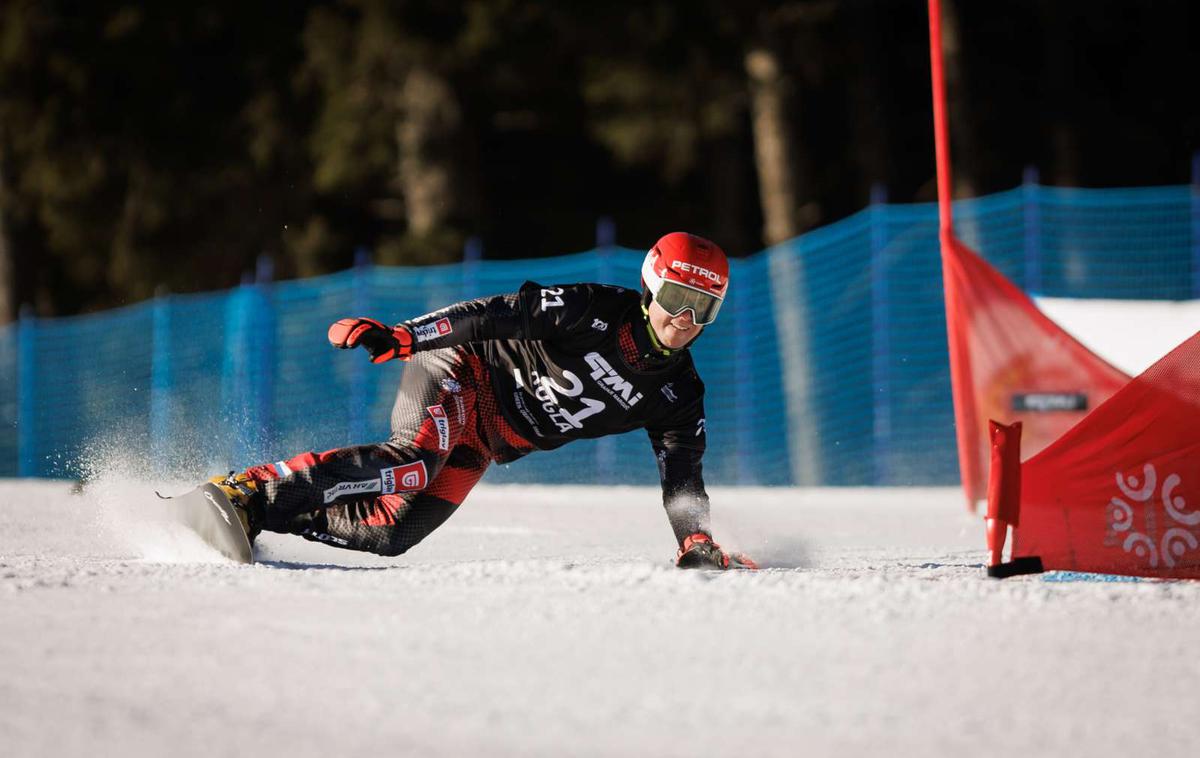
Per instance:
{"type": "Point", "coordinates": [672, 331]}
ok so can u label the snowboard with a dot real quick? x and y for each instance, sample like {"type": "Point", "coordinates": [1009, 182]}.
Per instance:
{"type": "Point", "coordinates": [207, 512]}
{"type": "Point", "coordinates": [742, 561]}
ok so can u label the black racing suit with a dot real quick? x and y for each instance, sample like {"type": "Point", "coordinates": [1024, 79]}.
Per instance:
{"type": "Point", "coordinates": [494, 379]}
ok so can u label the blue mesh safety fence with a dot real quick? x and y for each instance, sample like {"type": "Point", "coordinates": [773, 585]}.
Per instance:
{"type": "Point", "coordinates": [828, 364]}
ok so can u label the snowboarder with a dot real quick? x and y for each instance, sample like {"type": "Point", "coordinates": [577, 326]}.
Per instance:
{"type": "Point", "coordinates": [496, 378]}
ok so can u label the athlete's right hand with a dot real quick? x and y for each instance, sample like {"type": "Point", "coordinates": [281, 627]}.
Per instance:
{"type": "Point", "coordinates": [698, 551]}
{"type": "Point", "coordinates": [383, 343]}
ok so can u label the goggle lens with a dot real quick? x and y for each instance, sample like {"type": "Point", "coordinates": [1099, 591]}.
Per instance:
{"type": "Point", "coordinates": [676, 298]}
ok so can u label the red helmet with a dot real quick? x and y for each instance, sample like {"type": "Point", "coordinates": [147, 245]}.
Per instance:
{"type": "Point", "coordinates": [685, 272]}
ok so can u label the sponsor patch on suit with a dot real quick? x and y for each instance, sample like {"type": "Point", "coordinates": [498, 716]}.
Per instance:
{"type": "Point", "coordinates": [350, 488]}
{"type": "Point", "coordinates": [427, 332]}
{"type": "Point", "coordinates": [442, 422]}
{"type": "Point", "coordinates": [407, 478]}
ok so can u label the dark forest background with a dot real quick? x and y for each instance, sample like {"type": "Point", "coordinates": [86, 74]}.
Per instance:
{"type": "Point", "coordinates": [158, 146]}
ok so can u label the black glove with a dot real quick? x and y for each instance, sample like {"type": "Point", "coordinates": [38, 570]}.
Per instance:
{"type": "Point", "coordinates": [382, 343]}
{"type": "Point", "coordinates": [700, 552]}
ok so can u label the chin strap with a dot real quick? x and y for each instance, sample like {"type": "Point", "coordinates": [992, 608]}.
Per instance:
{"type": "Point", "coordinates": [654, 337]}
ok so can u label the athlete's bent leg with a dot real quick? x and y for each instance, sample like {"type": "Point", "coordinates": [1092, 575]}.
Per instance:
{"type": "Point", "coordinates": [391, 524]}
{"type": "Point", "coordinates": [385, 498]}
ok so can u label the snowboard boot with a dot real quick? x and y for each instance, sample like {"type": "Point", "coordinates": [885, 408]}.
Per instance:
{"type": "Point", "coordinates": [243, 492]}
{"type": "Point", "coordinates": [700, 552]}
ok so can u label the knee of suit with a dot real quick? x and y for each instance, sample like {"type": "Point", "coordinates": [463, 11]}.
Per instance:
{"type": "Point", "coordinates": [390, 548]}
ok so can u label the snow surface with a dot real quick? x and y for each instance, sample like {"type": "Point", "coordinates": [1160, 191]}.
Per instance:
{"type": "Point", "coordinates": [548, 621]}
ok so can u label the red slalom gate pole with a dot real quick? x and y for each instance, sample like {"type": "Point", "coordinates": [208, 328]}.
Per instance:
{"type": "Point", "coordinates": [941, 136]}
{"type": "Point", "coordinates": [960, 375]}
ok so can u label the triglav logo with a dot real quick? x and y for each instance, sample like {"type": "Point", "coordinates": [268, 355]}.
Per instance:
{"type": "Point", "coordinates": [1175, 541]}
{"type": "Point", "coordinates": [442, 424]}
{"type": "Point", "coordinates": [407, 478]}
{"type": "Point", "coordinates": [427, 332]}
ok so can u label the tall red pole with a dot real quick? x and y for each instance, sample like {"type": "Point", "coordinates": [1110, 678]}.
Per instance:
{"type": "Point", "coordinates": [941, 134]}
{"type": "Point", "coordinates": [961, 384]}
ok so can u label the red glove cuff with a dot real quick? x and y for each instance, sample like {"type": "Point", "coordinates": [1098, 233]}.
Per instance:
{"type": "Point", "coordinates": [403, 347]}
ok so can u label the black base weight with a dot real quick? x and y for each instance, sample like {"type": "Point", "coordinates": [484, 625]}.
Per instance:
{"type": "Point", "coordinates": [1030, 564]}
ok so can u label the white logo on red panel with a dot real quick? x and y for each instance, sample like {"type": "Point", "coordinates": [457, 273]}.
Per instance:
{"type": "Point", "coordinates": [442, 422]}
{"type": "Point", "coordinates": [1176, 540]}
{"type": "Point", "coordinates": [406, 478]}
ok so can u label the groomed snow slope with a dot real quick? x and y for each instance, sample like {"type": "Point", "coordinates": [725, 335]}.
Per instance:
{"type": "Point", "coordinates": [549, 622]}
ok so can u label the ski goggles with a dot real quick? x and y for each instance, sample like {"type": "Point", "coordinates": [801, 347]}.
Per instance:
{"type": "Point", "coordinates": [675, 298]}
